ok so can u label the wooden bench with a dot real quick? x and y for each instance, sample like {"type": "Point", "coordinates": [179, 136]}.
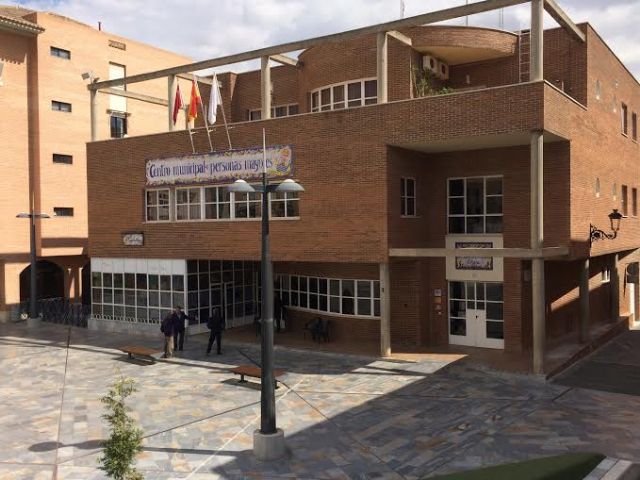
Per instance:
{"type": "Point", "coordinates": [144, 352]}
{"type": "Point", "coordinates": [255, 372]}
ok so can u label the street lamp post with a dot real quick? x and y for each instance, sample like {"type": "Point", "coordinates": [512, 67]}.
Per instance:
{"type": "Point", "coordinates": [268, 442]}
{"type": "Point", "coordinates": [33, 294]}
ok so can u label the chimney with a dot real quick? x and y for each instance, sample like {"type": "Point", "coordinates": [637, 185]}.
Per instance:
{"type": "Point", "coordinates": [99, 26]}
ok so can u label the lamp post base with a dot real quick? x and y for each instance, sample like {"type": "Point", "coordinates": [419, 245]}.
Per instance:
{"type": "Point", "coordinates": [33, 322]}
{"type": "Point", "coordinates": [269, 446]}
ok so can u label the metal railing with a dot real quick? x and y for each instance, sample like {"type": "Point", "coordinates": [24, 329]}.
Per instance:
{"type": "Point", "coordinates": [59, 310]}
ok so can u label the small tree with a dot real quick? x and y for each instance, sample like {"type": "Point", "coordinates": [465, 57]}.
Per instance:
{"type": "Point", "coordinates": [125, 441]}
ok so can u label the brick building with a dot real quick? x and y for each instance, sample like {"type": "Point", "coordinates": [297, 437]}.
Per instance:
{"type": "Point", "coordinates": [43, 130]}
{"type": "Point", "coordinates": [519, 144]}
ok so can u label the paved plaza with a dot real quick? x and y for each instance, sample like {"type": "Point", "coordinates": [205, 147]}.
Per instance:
{"type": "Point", "coordinates": [344, 416]}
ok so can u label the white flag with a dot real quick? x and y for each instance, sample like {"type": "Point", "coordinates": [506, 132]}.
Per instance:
{"type": "Point", "coordinates": [214, 101]}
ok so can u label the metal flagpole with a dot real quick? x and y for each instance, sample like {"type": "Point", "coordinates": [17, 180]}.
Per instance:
{"type": "Point", "coordinates": [224, 119]}
{"type": "Point", "coordinates": [206, 125]}
{"type": "Point", "coordinates": [188, 121]}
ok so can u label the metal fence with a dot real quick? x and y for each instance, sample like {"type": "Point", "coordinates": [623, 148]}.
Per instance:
{"type": "Point", "coordinates": [61, 311]}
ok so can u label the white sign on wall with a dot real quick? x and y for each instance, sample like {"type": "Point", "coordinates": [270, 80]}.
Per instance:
{"type": "Point", "coordinates": [477, 268]}
{"type": "Point", "coordinates": [219, 167]}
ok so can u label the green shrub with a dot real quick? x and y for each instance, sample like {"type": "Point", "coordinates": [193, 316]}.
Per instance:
{"type": "Point", "coordinates": [125, 440]}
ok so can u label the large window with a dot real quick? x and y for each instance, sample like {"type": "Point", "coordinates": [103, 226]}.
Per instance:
{"type": "Point", "coordinates": [248, 205]}
{"type": "Point", "coordinates": [487, 297]}
{"type": "Point", "coordinates": [157, 205]}
{"type": "Point", "coordinates": [345, 95]}
{"type": "Point", "coordinates": [343, 297]}
{"type": "Point", "coordinates": [625, 119]}
{"type": "Point", "coordinates": [408, 197]}
{"type": "Point", "coordinates": [188, 205]}
{"type": "Point", "coordinates": [634, 202]}
{"type": "Point", "coordinates": [137, 297]}
{"type": "Point", "coordinates": [62, 158]}
{"type": "Point", "coordinates": [624, 200]}
{"type": "Point", "coordinates": [284, 204]}
{"type": "Point", "coordinates": [475, 205]}
{"type": "Point", "coordinates": [217, 203]}
{"type": "Point", "coordinates": [634, 126]}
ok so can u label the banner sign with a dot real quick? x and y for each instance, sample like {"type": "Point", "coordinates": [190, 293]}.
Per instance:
{"type": "Point", "coordinates": [220, 167]}
{"type": "Point", "coordinates": [474, 263]}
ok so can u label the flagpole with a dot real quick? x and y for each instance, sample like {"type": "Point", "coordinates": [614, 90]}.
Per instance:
{"type": "Point", "coordinates": [206, 125]}
{"type": "Point", "coordinates": [186, 117]}
{"type": "Point", "coordinates": [226, 127]}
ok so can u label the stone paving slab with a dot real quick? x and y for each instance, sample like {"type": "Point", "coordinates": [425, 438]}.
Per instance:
{"type": "Point", "coordinates": [345, 417]}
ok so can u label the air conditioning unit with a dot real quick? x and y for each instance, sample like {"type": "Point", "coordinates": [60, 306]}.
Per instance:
{"type": "Point", "coordinates": [443, 70]}
{"type": "Point", "coordinates": [430, 64]}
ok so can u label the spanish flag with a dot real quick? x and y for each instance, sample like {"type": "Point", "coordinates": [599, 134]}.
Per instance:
{"type": "Point", "coordinates": [196, 100]}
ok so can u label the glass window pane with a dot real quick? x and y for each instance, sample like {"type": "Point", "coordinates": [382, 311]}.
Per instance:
{"type": "Point", "coordinates": [457, 290]}
{"type": "Point", "coordinates": [494, 292]}
{"type": "Point", "coordinates": [154, 299]}
{"type": "Point", "coordinates": [141, 298]}
{"type": "Point", "coordinates": [165, 282]}
{"type": "Point", "coordinates": [338, 94]}
{"type": "Point", "coordinates": [165, 299]}
{"type": "Point", "coordinates": [334, 304]}
{"type": "Point", "coordinates": [494, 224]}
{"type": "Point", "coordinates": [494, 186]}
{"type": "Point", "coordinates": [475, 196]}
{"type": "Point", "coordinates": [322, 304]}
{"type": "Point", "coordinates": [411, 206]}
{"type": "Point", "coordinates": [456, 206]}
{"type": "Point", "coordinates": [129, 280]}
{"type": "Point", "coordinates": [348, 288]}
{"type": "Point", "coordinates": [456, 188]}
{"type": "Point", "coordinates": [107, 279]}
{"type": "Point", "coordinates": [376, 308]}
{"type": "Point", "coordinates": [456, 224]}
{"type": "Point", "coordinates": [347, 306]}
{"type": "Point", "coordinates": [178, 282]}
{"type": "Point", "coordinates": [364, 289]}
{"type": "Point", "coordinates": [475, 224]}
{"type": "Point", "coordinates": [364, 307]}
{"type": "Point", "coordinates": [334, 287]}
{"type": "Point", "coordinates": [458, 326]}
{"type": "Point", "coordinates": [154, 281]}
{"type": "Point", "coordinates": [471, 291]}
{"type": "Point", "coordinates": [370, 88]}
{"type": "Point", "coordinates": [354, 91]}
{"type": "Point", "coordinates": [96, 279]}
{"type": "Point", "coordinates": [292, 208]}
{"type": "Point", "coordinates": [457, 308]}
{"type": "Point", "coordinates": [494, 311]}
{"type": "Point", "coordinates": [495, 330]}
{"type": "Point", "coordinates": [494, 204]}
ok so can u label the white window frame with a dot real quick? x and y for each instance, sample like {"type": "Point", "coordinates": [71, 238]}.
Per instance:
{"type": "Point", "coordinates": [464, 197]}
{"type": "Point", "coordinates": [605, 275]}
{"type": "Point", "coordinates": [363, 100]}
{"type": "Point", "coordinates": [285, 201]}
{"type": "Point", "coordinates": [217, 204]}
{"type": "Point", "coordinates": [157, 206]}
{"type": "Point", "coordinates": [58, 52]}
{"type": "Point", "coordinates": [189, 204]}
{"type": "Point", "coordinates": [278, 282]}
{"type": "Point", "coordinates": [404, 199]}
{"type": "Point", "coordinates": [624, 119]}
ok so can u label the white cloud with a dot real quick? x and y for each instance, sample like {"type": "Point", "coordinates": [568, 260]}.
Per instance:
{"type": "Point", "coordinates": [207, 29]}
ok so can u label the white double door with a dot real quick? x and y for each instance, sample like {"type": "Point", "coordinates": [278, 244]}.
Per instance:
{"type": "Point", "coordinates": [476, 314]}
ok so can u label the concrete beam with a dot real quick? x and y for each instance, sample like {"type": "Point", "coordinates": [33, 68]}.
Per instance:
{"type": "Point", "coordinates": [199, 79]}
{"type": "Point", "coordinates": [563, 20]}
{"type": "Point", "coordinates": [172, 82]}
{"type": "Point", "coordinates": [423, 19]}
{"type": "Point", "coordinates": [382, 55]}
{"type": "Point", "coordinates": [585, 308]}
{"type": "Point", "coordinates": [265, 88]}
{"type": "Point", "coordinates": [524, 253]}
{"type": "Point", "coordinates": [536, 49]}
{"type": "Point", "coordinates": [136, 96]}
{"type": "Point", "coordinates": [284, 60]}
{"type": "Point", "coordinates": [400, 37]}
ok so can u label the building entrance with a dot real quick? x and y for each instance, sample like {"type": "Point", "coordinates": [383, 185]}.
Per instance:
{"type": "Point", "coordinates": [476, 314]}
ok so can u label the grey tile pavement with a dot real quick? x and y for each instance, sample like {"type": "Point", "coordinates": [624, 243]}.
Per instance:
{"type": "Point", "coordinates": [345, 417]}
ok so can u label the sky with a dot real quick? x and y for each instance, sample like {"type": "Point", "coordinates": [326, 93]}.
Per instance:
{"type": "Point", "coordinates": [203, 29]}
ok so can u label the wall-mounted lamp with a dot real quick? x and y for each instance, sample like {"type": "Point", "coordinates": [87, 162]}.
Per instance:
{"type": "Point", "coordinates": [597, 234]}
{"type": "Point", "coordinates": [88, 75]}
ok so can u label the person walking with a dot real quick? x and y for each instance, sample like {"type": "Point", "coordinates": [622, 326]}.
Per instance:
{"type": "Point", "coordinates": [181, 319]}
{"type": "Point", "coordinates": [168, 328]}
{"type": "Point", "coordinates": [216, 326]}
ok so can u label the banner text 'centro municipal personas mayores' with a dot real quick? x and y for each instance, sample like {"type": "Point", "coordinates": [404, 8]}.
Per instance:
{"type": "Point", "coordinates": [220, 167]}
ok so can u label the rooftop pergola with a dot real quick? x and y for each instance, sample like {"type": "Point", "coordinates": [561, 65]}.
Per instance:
{"type": "Point", "coordinates": [278, 53]}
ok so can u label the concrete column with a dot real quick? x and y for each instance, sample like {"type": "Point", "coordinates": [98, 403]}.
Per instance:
{"type": "Point", "coordinates": [536, 57]}
{"type": "Point", "coordinates": [382, 67]}
{"type": "Point", "coordinates": [385, 310]}
{"type": "Point", "coordinates": [585, 311]}
{"type": "Point", "coordinates": [94, 114]}
{"type": "Point", "coordinates": [537, 241]}
{"type": "Point", "coordinates": [265, 88]}
{"type": "Point", "coordinates": [172, 83]}
{"type": "Point", "coordinates": [615, 289]}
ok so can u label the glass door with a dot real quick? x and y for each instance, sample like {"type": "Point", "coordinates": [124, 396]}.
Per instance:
{"type": "Point", "coordinates": [476, 314]}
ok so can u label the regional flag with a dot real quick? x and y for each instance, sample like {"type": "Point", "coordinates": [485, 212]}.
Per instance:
{"type": "Point", "coordinates": [195, 100]}
{"type": "Point", "coordinates": [177, 104]}
{"type": "Point", "coordinates": [214, 100]}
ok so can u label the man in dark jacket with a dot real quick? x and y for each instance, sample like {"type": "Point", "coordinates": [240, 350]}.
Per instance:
{"type": "Point", "coordinates": [216, 325]}
{"type": "Point", "coordinates": [180, 318]}
{"type": "Point", "coordinates": [168, 328]}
